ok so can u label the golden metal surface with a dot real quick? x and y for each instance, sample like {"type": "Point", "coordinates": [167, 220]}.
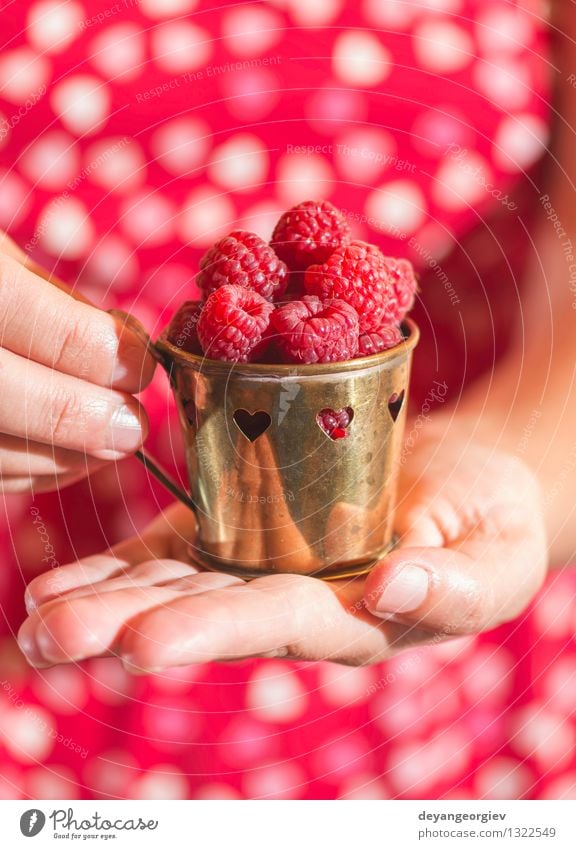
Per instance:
{"type": "Point", "coordinates": [273, 492]}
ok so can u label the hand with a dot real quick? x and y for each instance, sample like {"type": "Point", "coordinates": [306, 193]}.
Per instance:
{"type": "Point", "coordinates": [67, 371]}
{"type": "Point", "coordinates": [471, 556]}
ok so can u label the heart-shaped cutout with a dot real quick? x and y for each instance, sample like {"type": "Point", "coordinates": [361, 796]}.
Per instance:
{"type": "Point", "coordinates": [395, 402]}
{"type": "Point", "coordinates": [335, 423]}
{"type": "Point", "coordinates": [252, 425]}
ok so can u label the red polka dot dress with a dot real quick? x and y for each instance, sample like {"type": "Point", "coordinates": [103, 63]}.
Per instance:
{"type": "Point", "coordinates": [132, 135]}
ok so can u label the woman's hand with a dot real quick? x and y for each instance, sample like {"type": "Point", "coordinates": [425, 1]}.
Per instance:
{"type": "Point", "coordinates": [68, 371]}
{"type": "Point", "coordinates": [472, 555]}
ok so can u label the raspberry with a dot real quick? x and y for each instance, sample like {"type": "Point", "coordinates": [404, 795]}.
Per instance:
{"type": "Point", "coordinates": [183, 329]}
{"type": "Point", "coordinates": [358, 275]}
{"type": "Point", "coordinates": [309, 233]}
{"type": "Point", "coordinates": [315, 331]}
{"type": "Point", "coordinates": [243, 259]}
{"type": "Point", "coordinates": [380, 340]}
{"type": "Point", "coordinates": [403, 280]}
{"type": "Point", "coordinates": [233, 324]}
{"type": "Point", "coordinates": [335, 422]}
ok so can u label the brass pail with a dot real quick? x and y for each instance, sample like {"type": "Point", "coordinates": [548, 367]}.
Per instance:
{"type": "Point", "coordinates": [272, 491]}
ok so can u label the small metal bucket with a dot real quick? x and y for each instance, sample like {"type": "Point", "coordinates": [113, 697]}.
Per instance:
{"type": "Point", "coordinates": [272, 491]}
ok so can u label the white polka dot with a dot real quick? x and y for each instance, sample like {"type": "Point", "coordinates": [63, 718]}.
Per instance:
{"type": "Point", "coordinates": [167, 8]}
{"type": "Point", "coordinates": [360, 59]}
{"type": "Point", "coordinates": [560, 685]}
{"type": "Point", "coordinates": [82, 102]}
{"type": "Point", "coordinates": [15, 199]}
{"type": "Point", "coordinates": [112, 263]}
{"type": "Point", "coordinates": [392, 13]}
{"type": "Point", "coordinates": [329, 106]}
{"type": "Point", "coordinates": [486, 675]}
{"type": "Point", "coordinates": [149, 219]}
{"type": "Point", "coordinates": [119, 52]}
{"type": "Point", "coordinates": [181, 145]}
{"type": "Point", "coordinates": [300, 177]}
{"type": "Point", "coordinates": [397, 208]}
{"type": "Point", "coordinates": [64, 228]}
{"type": "Point", "coordinates": [502, 778]}
{"type": "Point", "coordinates": [461, 181]}
{"type": "Point", "coordinates": [275, 694]}
{"type": "Point", "coordinates": [5, 129]}
{"type": "Point", "coordinates": [541, 734]}
{"type": "Point", "coordinates": [505, 81]}
{"type": "Point", "coordinates": [261, 219]}
{"type": "Point", "coordinates": [29, 733]}
{"type": "Point", "coordinates": [503, 29]}
{"type": "Point", "coordinates": [562, 788]}
{"type": "Point", "coordinates": [442, 47]}
{"type": "Point", "coordinates": [277, 781]}
{"type": "Point", "coordinates": [436, 129]}
{"type": "Point", "coordinates": [206, 216]}
{"type": "Point", "coordinates": [52, 25]}
{"type": "Point", "coordinates": [245, 742]}
{"type": "Point", "coordinates": [555, 611]}
{"type": "Point", "coordinates": [341, 757]}
{"type": "Point", "coordinates": [162, 782]}
{"type": "Point", "coordinates": [314, 13]}
{"type": "Point", "coordinates": [23, 74]}
{"type": "Point", "coordinates": [519, 142]}
{"type": "Point", "coordinates": [252, 93]}
{"type": "Point", "coordinates": [361, 155]}
{"type": "Point", "coordinates": [109, 682]}
{"type": "Point", "coordinates": [216, 791]}
{"type": "Point", "coordinates": [342, 686]}
{"type": "Point", "coordinates": [110, 772]}
{"type": "Point", "coordinates": [363, 786]}
{"type": "Point", "coordinates": [62, 689]}
{"type": "Point", "coordinates": [11, 784]}
{"type": "Point", "coordinates": [251, 30]}
{"type": "Point", "coordinates": [415, 767]}
{"type": "Point", "coordinates": [116, 163]}
{"type": "Point", "coordinates": [240, 163]}
{"type": "Point", "coordinates": [52, 782]}
{"type": "Point", "coordinates": [181, 46]}
{"type": "Point", "coordinates": [52, 161]}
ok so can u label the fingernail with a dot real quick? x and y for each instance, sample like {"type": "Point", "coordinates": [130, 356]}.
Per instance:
{"type": "Point", "coordinates": [29, 602]}
{"type": "Point", "coordinates": [405, 592]}
{"type": "Point", "coordinates": [124, 433]}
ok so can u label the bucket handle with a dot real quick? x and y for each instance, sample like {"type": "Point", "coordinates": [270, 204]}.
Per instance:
{"type": "Point", "coordinates": [149, 463]}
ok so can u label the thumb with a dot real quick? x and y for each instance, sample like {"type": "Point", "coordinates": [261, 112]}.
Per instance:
{"type": "Point", "coordinates": [483, 579]}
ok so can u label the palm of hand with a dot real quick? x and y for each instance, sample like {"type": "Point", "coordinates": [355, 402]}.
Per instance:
{"type": "Point", "coordinates": [467, 516]}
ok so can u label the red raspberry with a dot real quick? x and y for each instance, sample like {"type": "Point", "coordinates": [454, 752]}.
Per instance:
{"type": "Point", "coordinates": [243, 259]}
{"type": "Point", "coordinates": [309, 233]}
{"type": "Point", "coordinates": [315, 331]}
{"type": "Point", "coordinates": [233, 324]}
{"type": "Point", "coordinates": [403, 279]}
{"type": "Point", "coordinates": [358, 275]}
{"type": "Point", "coordinates": [183, 329]}
{"type": "Point", "coordinates": [380, 340]}
{"type": "Point", "coordinates": [335, 422]}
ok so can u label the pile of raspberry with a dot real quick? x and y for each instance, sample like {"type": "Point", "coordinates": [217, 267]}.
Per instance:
{"type": "Point", "coordinates": [312, 295]}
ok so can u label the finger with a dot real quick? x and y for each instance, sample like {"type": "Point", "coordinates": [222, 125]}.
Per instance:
{"type": "Point", "coordinates": [22, 457]}
{"type": "Point", "coordinates": [45, 324]}
{"type": "Point", "coordinates": [36, 484]}
{"type": "Point", "coordinates": [60, 410]}
{"type": "Point", "coordinates": [282, 615]}
{"type": "Point", "coordinates": [486, 578]}
{"type": "Point", "coordinates": [88, 624]}
{"type": "Point", "coordinates": [157, 542]}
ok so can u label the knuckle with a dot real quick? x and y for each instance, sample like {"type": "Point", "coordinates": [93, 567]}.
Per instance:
{"type": "Point", "coordinates": [66, 415]}
{"type": "Point", "coordinates": [72, 344]}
